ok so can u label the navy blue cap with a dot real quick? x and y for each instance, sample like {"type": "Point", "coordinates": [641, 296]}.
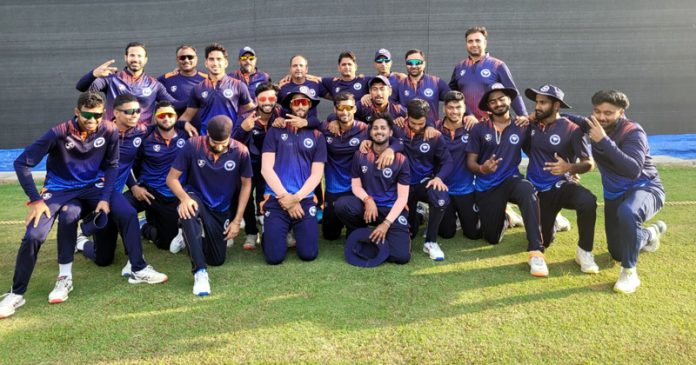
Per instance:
{"type": "Point", "coordinates": [382, 52]}
{"type": "Point", "coordinates": [379, 78]}
{"type": "Point", "coordinates": [299, 89]}
{"type": "Point", "coordinates": [246, 49]}
{"type": "Point", "coordinates": [94, 222]}
{"type": "Point", "coordinates": [360, 251]}
{"type": "Point", "coordinates": [510, 92]}
{"type": "Point", "coordinates": [549, 90]}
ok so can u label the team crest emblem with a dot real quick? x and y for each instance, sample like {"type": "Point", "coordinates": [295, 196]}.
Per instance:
{"type": "Point", "coordinates": [488, 137]}
{"type": "Point", "coordinates": [308, 143]}
{"type": "Point", "coordinates": [173, 88]}
{"type": "Point", "coordinates": [69, 145]}
{"type": "Point", "coordinates": [121, 87]}
{"type": "Point", "coordinates": [312, 211]}
{"type": "Point", "coordinates": [46, 196]}
{"type": "Point", "coordinates": [496, 86]}
{"type": "Point", "coordinates": [533, 132]}
{"type": "Point", "coordinates": [462, 72]}
{"type": "Point", "coordinates": [284, 136]}
{"type": "Point", "coordinates": [180, 143]}
{"type": "Point", "coordinates": [137, 141]}
{"type": "Point", "coordinates": [559, 183]}
{"type": "Point", "coordinates": [407, 93]}
{"type": "Point", "coordinates": [99, 142]}
{"type": "Point", "coordinates": [99, 185]}
{"type": "Point", "coordinates": [228, 93]}
{"type": "Point", "coordinates": [441, 202]}
{"type": "Point", "coordinates": [387, 172]}
{"type": "Point", "coordinates": [544, 88]}
{"type": "Point", "coordinates": [204, 94]}
{"type": "Point", "coordinates": [255, 132]}
{"type": "Point", "coordinates": [156, 148]}
{"type": "Point", "coordinates": [329, 140]}
{"type": "Point", "coordinates": [555, 139]}
{"type": "Point", "coordinates": [428, 92]}
{"type": "Point", "coordinates": [354, 142]}
{"type": "Point", "coordinates": [357, 86]}
{"type": "Point", "coordinates": [312, 92]}
{"type": "Point", "coordinates": [486, 72]}
{"type": "Point", "coordinates": [363, 168]}
{"type": "Point", "coordinates": [514, 139]}
{"type": "Point", "coordinates": [230, 165]}
{"type": "Point", "coordinates": [465, 138]}
{"type": "Point", "coordinates": [304, 89]}
{"type": "Point", "coordinates": [147, 91]}
{"type": "Point", "coordinates": [402, 220]}
{"type": "Point", "coordinates": [201, 163]}
{"type": "Point", "coordinates": [338, 89]}
{"type": "Point", "coordinates": [424, 148]}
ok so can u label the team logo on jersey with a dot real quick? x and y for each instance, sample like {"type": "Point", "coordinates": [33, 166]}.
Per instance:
{"type": "Point", "coordinates": [407, 93]}
{"type": "Point", "coordinates": [428, 92]}
{"type": "Point", "coordinates": [357, 86]}
{"type": "Point", "coordinates": [230, 165]}
{"type": "Point", "coordinates": [180, 143]}
{"type": "Point", "coordinates": [228, 93]}
{"type": "Point", "coordinates": [99, 142]}
{"type": "Point", "coordinates": [156, 148]}
{"type": "Point", "coordinates": [559, 183]}
{"type": "Point", "coordinates": [402, 220]}
{"type": "Point", "coordinates": [137, 141]}
{"type": "Point", "coordinates": [555, 139]}
{"type": "Point", "coordinates": [514, 139]}
{"type": "Point", "coordinates": [69, 145]}
{"type": "Point", "coordinates": [363, 168]}
{"type": "Point", "coordinates": [227, 224]}
{"type": "Point", "coordinates": [173, 88]}
{"type": "Point", "coordinates": [329, 140]}
{"type": "Point", "coordinates": [354, 142]}
{"type": "Point", "coordinates": [99, 185]}
{"type": "Point", "coordinates": [465, 138]}
{"type": "Point", "coordinates": [201, 163]}
{"type": "Point", "coordinates": [338, 89]}
{"type": "Point", "coordinates": [147, 91]}
{"type": "Point", "coordinates": [312, 92]}
{"type": "Point", "coordinates": [312, 210]}
{"type": "Point", "coordinates": [121, 87]}
{"type": "Point", "coordinates": [308, 143]}
{"type": "Point", "coordinates": [46, 196]}
{"type": "Point", "coordinates": [462, 72]}
{"type": "Point", "coordinates": [485, 72]}
{"type": "Point", "coordinates": [204, 94]}
{"type": "Point", "coordinates": [488, 137]}
{"type": "Point", "coordinates": [304, 89]}
{"type": "Point", "coordinates": [533, 132]}
{"type": "Point", "coordinates": [387, 172]}
{"type": "Point", "coordinates": [255, 132]}
{"type": "Point", "coordinates": [424, 148]}
{"type": "Point", "coordinates": [544, 88]}
{"type": "Point", "coordinates": [284, 136]}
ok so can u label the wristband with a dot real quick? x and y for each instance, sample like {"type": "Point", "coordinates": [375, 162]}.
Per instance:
{"type": "Point", "coordinates": [367, 198]}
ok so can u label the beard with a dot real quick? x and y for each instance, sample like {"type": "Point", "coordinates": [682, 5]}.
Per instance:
{"type": "Point", "coordinates": [499, 112]}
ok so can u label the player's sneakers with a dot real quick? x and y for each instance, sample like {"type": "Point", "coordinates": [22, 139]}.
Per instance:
{"type": "Point", "coordinates": [141, 222]}
{"type": "Point", "coordinates": [655, 231]}
{"type": "Point", "coordinates": [177, 243]}
{"type": "Point", "coordinates": [81, 241]}
{"type": "Point", "coordinates": [514, 219]}
{"type": "Point", "coordinates": [60, 292]}
{"type": "Point", "coordinates": [126, 270]}
{"type": "Point", "coordinates": [250, 241]}
{"type": "Point", "coordinates": [10, 302]}
{"type": "Point", "coordinates": [147, 275]}
{"type": "Point", "coordinates": [434, 250]}
{"type": "Point", "coordinates": [290, 240]}
{"type": "Point", "coordinates": [201, 285]}
{"type": "Point", "coordinates": [537, 264]}
{"type": "Point", "coordinates": [628, 281]}
{"type": "Point", "coordinates": [586, 261]}
{"type": "Point", "coordinates": [562, 224]}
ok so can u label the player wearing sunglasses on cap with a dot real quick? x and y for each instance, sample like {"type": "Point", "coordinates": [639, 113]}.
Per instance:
{"type": "Point", "coordinates": [247, 72]}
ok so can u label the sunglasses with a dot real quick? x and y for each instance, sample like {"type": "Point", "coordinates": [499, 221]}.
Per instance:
{"type": "Point", "coordinates": [186, 57]}
{"type": "Point", "coordinates": [270, 99]}
{"type": "Point", "coordinates": [247, 57]}
{"type": "Point", "coordinates": [90, 115]}
{"type": "Point", "coordinates": [383, 60]}
{"type": "Point", "coordinates": [298, 102]}
{"type": "Point", "coordinates": [165, 115]}
{"type": "Point", "coordinates": [414, 62]}
{"type": "Point", "coordinates": [130, 111]}
{"type": "Point", "coordinates": [344, 108]}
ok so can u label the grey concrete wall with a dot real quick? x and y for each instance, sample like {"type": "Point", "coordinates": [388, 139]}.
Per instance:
{"type": "Point", "coordinates": [646, 48]}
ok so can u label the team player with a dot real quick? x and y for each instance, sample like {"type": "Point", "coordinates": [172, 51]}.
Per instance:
{"type": "Point", "coordinates": [219, 94]}
{"type": "Point", "coordinates": [247, 72]}
{"type": "Point", "coordinates": [78, 150]}
{"type": "Point", "coordinates": [460, 182]}
{"type": "Point", "coordinates": [633, 191]}
{"type": "Point", "coordinates": [557, 150]}
{"type": "Point", "coordinates": [494, 155]}
{"type": "Point", "coordinates": [131, 80]}
{"type": "Point", "coordinates": [299, 78]}
{"type": "Point", "coordinates": [420, 85]}
{"type": "Point", "coordinates": [380, 102]}
{"type": "Point", "coordinates": [217, 172]}
{"type": "Point", "coordinates": [181, 81]}
{"type": "Point", "coordinates": [379, 194]}
{"type": "Point", "coordinates": [430, 163]}
{"type": "Point", "coordinates": [347, 81]}
{"type": "Point", "coordinates": [292, 163]}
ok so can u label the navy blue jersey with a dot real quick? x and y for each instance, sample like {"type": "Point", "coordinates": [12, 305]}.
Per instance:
{"type": "Point", "coordinates": [308, 87]}
{"type": "Point", "coordinates": [155, 157]}
{"type": "Point", "coordinates": [429, 88]}
{"type": "Point", "coordinates": [251, 81]}
{"type": "Point", "coordinates": [427, 159]}
{"type": "Point", "coordinates": [394, 110]}
{"type": "Point", "coordinates": [179, 86]}
{"type": "Point", "coordinates": [485, 141]}
{"type": "Point", "coordinates": [340, 152]}
{"type": "Point", "coordinates": [129, 143]}
{"type": "Point", "coordinates": [335, 85]}
{"type": "Point", "coordinates": [74, 160]}
{"type": "Point", "coordinates": [295, 151]}
{"type": "Point", "coordinates": [255, 137]}
{"type": "Point", "coordinates": [381, 184]}
{"type": "Point", "coordinates": [215, 178]}
{"type": "Point", "coordinates": [224, 97]}
{"type": "Point", "coordinates": [461, 180]}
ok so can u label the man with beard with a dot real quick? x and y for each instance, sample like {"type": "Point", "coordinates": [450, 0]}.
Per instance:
{"type": "Point", "coordinates": [556, 151]}
{"type": "Point", "coordinates": [299, 78]}
{"type": "Point", "coordinates": [248, 73]}
{"type": "Point", "coordinates": [633, 191]}
{"type": "Point", "coordinates": [217, 172]}
{"type": "Point", "coordinates": [181, 81]}
{"type": "Point", "coordinates": [380, 102]}
{"type": "Point", "coordinates": [420, 85]}
{"type": "Point", "coordinates": [292, 163]}
{"type": "Point", "coordinates": [494, 154]}
{"type": "Point", "coordinates": [379, 194]}
{"type": "Point", "coordinates": [131, 80]}
{"type": "Point", "coordinates": [347, 81]}
{"type": "Point", "coordinates": [219, 94]}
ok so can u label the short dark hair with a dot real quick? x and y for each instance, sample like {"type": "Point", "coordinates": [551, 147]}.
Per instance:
{"type": "Point", "coordinates": [613, 97]}
{"type": "Point", "coordinates": [343, 96]}
{"type": "Point", "coordinates": [477, 29]}
{"type": "Point", "coordinates": [453, 95]}
{"type": "Point", "coordinates": [216, 47]}
{"type": "Point", "coordinates": [163, 104]}
{"type": "Point", "coordinates": [414, 51]}
{"type": "Point", "coordinates": [386, 116]}
{"type": "Point", "coordinates": [417, 108]}
{"type": "Point", "coordinates": [184, 46]}
{"type": "Point", "coordinates": [136, 44]}
{"type": "Point", "coordinates": [124, 99]}
{"type": "Point", "coordinates": [347, 54]}
{"type": "Point", "coordinates": [220, 127]}
{"type": "Point", "coordinates": [89, 100]}
{"type": "Point", "coordinates": [265, 86]}
{"type": "Point", "coordinates": [298, 55]}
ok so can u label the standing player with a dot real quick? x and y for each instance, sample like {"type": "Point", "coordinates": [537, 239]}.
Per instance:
{"type": "Point", "coordinates": [217, 172]}
{"type": "Point", "coordinates": [420, 85]}
{"type": "Point", "coordinates": [299, 78]}
{"type": "Point", "coordinates": [347, 81]}
{"type": "Point", "coordinates": [181, 81]}
{"type": "Point", "coordinates": [247, 72]}
{"type": "Point", "coordinates": [380, 102]}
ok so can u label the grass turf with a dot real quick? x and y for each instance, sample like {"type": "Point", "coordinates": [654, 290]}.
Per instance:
{"type": "Point", "coordinates": [479, 306]}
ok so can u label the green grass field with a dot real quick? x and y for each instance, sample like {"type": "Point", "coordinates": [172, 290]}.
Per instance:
{"type": "Point", "coordinates": [479, 306]}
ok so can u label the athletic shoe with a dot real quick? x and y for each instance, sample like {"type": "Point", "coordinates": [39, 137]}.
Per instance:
{"type": "Point", "coordinates": [60, 292]}
{"type": "Point", "coordinates": [537, 264]}
{"type": "Point", "coordinates": [250, 241]}
{"type": "Point", "coordinates": [562, 224]}
{"type": "Point", "coordinates": [655, 231]}
{"type": "Point", "coordinates": [147, 275]}
{"type": "Point", "coordinates": [514, 219]}
{"type": "Point", "coordinates": [9, 303]}
{"type": "Point", "coordinates": [290, 240]}
{"type": "Point", "coordinates": [201, 285]}
{"type": "Point", "coordinates": [586, 261]}
{"type": "Point", "coordinates": [177, 243]}
{"type": "Point", "coordinates": [126, 271]}
{"type": "Point", "coordinates": [433, 249]}
{"type": "Point", "coordinates": [628, 281]}
{"type": "Point", "coordinates": [141, 222]}
{"type": "Point", "coordinates": [81, 241]}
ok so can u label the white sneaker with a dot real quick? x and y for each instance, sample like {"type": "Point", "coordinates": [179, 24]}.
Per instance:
{"type": "Point", "coordinates": [424, 210]}
{"type": "Point", "coordinates": [586, 261]}
{"type": "Point", "coordinates": [201, 285]}
{"type": "Point", "coordinates": [80, 242]}
{"type": "Point", "coordinates": [9, 303]}
{"type": "Point", "coordinates": [514, 219]}
{"type": "Point", "coordinates": [126, 271]}
{"type": "Point", "coordinates": [628, 281]}
{"type": "Point", "coordinates": [433, 249]}
{"type": "Point", "coordinates": [147, 275]}
{"type": "Point", "coordinates": [290, 240]}
{"type": "Point", "coordinates": [250, 241]}
{"type": "Point", "coordinates": [177, 243]}
{"type": "Point", "coordinates": [459, 225]}
{"type": "Point", "coordinates": [655, 231]}
{"type": "Point", "coordinates": [141, 222]}
{"type": "Point", "coordinates": [537, 264]}
{"type": "Point", "coordinates": [60, 292]}
{"type": "Point", "coordinates": [562, 224]}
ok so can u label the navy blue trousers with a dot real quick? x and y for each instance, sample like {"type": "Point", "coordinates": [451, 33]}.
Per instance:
{"type": "Point", "coordinates": [278, 223]}
{"type": "Point", "coordinates": [211, 249]}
